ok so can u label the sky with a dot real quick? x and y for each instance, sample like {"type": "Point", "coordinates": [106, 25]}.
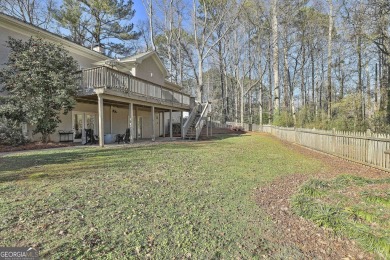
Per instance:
{"type": "Point", "coordinates": [140, 12]}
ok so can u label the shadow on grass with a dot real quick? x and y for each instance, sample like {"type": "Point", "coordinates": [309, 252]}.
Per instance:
{"type": "Point", "coordinates": [19, 166]}
{"type": "Point", "coordinates": [224, 136]}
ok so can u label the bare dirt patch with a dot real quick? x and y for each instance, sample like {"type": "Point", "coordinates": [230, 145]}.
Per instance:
{"type": "Point", "coordinates": [293, 231]}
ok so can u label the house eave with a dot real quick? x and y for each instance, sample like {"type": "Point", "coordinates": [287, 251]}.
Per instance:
{"type": "Point", "coordinates": [26, 29]}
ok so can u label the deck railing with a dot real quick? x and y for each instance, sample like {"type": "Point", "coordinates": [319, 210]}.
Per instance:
{"type": "Point", "coordinates": [104, 77]}
{"type": "Point", "coordinates": [202, 119]}
{"type": "Point", "coordinates": [190, 119]}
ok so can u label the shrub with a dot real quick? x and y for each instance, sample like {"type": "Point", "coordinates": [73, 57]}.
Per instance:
{"type": "Point", "coordinates": [11, 132]}
{"type": "Point", "coordinates": [283, 118]}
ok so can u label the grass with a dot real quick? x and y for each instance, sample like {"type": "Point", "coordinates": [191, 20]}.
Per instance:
{"type": "Point", "coordinates": [183, 200]}
{"type": "Point", "coordinates": [353, 206]}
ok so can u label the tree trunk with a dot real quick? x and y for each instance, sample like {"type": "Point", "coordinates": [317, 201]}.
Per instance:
{"type": "Point", "coordinates": [236, 106]}
{"type": "Point", "coordinates": [260, 105]}
{"type": "Point", "coordinates": [180, 58]}
{"type": "Point", "coordinates": [250, 106]}
{"type": "Point", "coordinates": [170, 35]}
{"type": "Point", "coordinates": [151, 27]}
{"type": "Point", "coordinates": [200, 93]}
{"type": "Point", "coordinates": [368, 89]}
{"type": "Point", "coordinates": [321, 86]}
{"type": "Point", "coordinates": [286, 95]}
{"type": "Point", "coordinates": [241, 101]}
{"type": "Point", "coordinates": [275, 50]}
{"type": "Point", "coordinates": [381, 83]}
{"type": "Point", "coordinates": [221, 75]}
{"type": "Point", "coordinates": [313, 87]}
{"type": "Point", "coordinates": [388, 95]}
{"type": "Point", "coordinates": [342, 76]}
{"type": "Point", "coordinates": [270, 118]}
{"type": "Point", "coordinates": [330, 59]}
{"type": "Point", "coordinates": [303, 87]}
{"type": "Point", "coordinates": [226, 93]}
{"type": "Point", "coordinates": [45, 138]}
{"type": "Point", "coordinates": [360, 81]}
{"type": "Point", "coordinates": [376, 104]}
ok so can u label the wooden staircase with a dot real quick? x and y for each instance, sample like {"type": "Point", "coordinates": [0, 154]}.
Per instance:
{"type": "Point", "coordinates": [196, 121]}
{"type": "Point", "coordinates": [191, 133]}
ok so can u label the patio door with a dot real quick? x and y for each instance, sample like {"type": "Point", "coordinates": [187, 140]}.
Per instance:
{"type": "Point", "coordinates": [81, 121]}
{"type": "Point", "coordinates": [139, 127]}
{"type": "Point", "coordinates": [78, 126]}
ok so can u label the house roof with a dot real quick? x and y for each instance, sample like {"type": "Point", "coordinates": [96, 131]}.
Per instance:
{"type": "Point", "coordinates": [138, 58]}
{"type": "Point", "coordinates": [30, 29]}
{"type": "Point", "coordinates": [133, 61]}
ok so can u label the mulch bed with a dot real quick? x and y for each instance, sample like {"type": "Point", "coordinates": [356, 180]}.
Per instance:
{"type": "Point", "coordinates": [312, 241]}
{"type": "Point", "coordinates": [34, 146]}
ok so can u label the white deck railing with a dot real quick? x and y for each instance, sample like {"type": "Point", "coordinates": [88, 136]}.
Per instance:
{"type": "Point", "coordinates": [104, 77]}
{"type": "Point", "coordinates": [202, 119]}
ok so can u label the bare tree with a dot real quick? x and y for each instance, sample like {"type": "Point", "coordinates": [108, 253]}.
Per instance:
{"type": "Point", "coordinates": [329, 77]}
{"type": "Point", "coordinates": [30, 11]}
{"type": "Point", "coordinates": [275, 52]}
{"type": "Point", "coordinates": [150, 11]}
{"type": "Point", "coordinates": [207, 16]}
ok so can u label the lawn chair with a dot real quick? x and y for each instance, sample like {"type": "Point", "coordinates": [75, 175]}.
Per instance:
{"type": "Point", "coordinates": [125, 138]}
{"type": "Point", "coordinates": [90, 138]}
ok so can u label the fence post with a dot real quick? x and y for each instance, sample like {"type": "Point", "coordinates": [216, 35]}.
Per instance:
{"type": "Point", "coordinates": [296, 135]}
{"type": "Point", "coordinates": [333, 140]}
{"type": "Point", "coordinates": [369, 147]}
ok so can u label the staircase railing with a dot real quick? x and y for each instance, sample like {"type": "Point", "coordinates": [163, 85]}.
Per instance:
{"type": "Point", "coordinates": [202, 120]}
{"type": "Point", "coordinates": [190, 119]}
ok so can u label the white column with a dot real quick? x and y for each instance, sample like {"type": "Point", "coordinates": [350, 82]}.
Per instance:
{"type": "Point", "coordinates": [131, 123]}
{"type": "Point", "coordinates": [153, 125]}
{"type": "Point", "coordinates": [163, 123]}
{"type": "Point", "coordinates": [207, 126]}
{"type": "Point", "coordinates": [170, 124]}
{"type": "Point", "coordinates": [136, 126]}
{"type": "Point", "coordinates": [110, 119]}
{"type": "Point", "coordinates": [211, 126]}
{"type": "Point", "coordinates": [181, 124]}
{"type": "Point", "coordinates": [101, 121]}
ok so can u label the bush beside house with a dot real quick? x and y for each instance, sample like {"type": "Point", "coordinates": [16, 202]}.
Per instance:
{"type": "Point", "coordinates": [40, 82]}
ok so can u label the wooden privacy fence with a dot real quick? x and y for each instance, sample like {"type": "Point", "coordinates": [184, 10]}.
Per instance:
{"type": "Point", "coordinates": [362, 147]}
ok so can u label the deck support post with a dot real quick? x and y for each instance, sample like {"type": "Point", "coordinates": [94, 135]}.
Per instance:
{"type": "Point", "coordinates": [211, 126]}
{"type": "Point", "coordinates": [101, 120]}
{"type": "Point", "coordinates": [163, 123]}
{"type": "Point", "coordinates": [207, 126]}
{"type": "Point", "coordinates": [181, 125]}
{"type": "Point", "coordinates": [111, 119]}
{"type": "Point", "coordinates": [170, 124]}
{"type": "Point", "coordinates": [136, 124]}
{"type": "Point", "coordinates": [131, 126]}
{"type": "Point", "coordinates": [153, 125]}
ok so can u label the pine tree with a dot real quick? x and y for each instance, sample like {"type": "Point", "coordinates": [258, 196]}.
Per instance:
{"type": "Point", "coordinates": [99, 22]}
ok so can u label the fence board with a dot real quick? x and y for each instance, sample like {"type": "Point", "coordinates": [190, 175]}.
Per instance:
{"type": "Point", "coordinates": [367, 148]}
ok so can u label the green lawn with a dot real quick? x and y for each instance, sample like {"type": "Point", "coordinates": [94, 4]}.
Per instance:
{"type": "Point", "coordinates": [164, 201]}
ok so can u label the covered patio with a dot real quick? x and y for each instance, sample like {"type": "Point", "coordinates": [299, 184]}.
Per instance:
{"type": "Point", "coordinates": [145, 120]}
{"type": "Point", "coordinates": [143, 107]}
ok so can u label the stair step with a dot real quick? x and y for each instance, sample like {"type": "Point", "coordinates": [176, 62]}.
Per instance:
{"type": "Point", "coordinates": [191, 132]}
